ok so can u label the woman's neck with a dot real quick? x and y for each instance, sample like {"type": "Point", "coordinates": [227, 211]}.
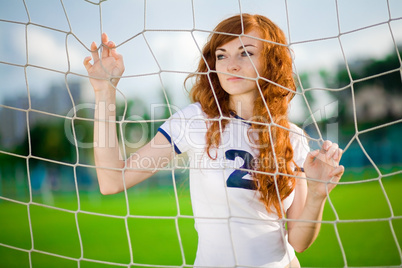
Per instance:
{"type": "Point", "coordinates": [242, 108]}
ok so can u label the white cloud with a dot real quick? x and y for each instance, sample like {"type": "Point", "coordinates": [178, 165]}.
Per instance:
{"type": "Point", "coordinates": [46, 50]}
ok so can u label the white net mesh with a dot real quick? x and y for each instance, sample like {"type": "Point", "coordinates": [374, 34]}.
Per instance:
{"type": "Point", "coordinates": [347, 62]}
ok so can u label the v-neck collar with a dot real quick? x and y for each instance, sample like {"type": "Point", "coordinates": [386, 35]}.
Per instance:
{"type": "Point", "coordinates": [239, 118]}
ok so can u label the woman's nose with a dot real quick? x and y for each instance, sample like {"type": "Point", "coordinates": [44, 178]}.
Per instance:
{"type": "Point", "coordinates": [233, 65]}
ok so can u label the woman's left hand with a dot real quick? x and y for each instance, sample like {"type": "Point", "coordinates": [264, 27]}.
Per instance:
{"type": "Point", "coordinates": [322, 169]}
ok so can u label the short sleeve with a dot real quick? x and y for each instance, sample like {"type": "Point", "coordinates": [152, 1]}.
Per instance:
{"type": "Point", "coordinates": [300, 145]}
{"type": "Point", "coordinates": [185, 129]}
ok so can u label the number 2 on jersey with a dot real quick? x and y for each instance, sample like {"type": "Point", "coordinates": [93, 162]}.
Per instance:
{"type": "Point", "coordinates": [236, 178]}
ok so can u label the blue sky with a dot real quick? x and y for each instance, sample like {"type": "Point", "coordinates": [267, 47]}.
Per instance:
{"type": "Point", "coordinates": [321, 35]}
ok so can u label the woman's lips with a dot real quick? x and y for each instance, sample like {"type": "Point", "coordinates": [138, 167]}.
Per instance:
{"type": "Point", "coordinates": [233, 78]}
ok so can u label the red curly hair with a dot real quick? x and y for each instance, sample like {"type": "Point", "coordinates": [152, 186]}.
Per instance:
{"type": "Point", "coordinates": [277, 87]}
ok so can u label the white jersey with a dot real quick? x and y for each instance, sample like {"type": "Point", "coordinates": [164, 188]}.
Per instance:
{"type": "Point", "coordinates": [234, 228]}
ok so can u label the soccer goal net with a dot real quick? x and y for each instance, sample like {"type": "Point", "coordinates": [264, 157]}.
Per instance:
{"type": "Point", "coordinates": [347, 62]}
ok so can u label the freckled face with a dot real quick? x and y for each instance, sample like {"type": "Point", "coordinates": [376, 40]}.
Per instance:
{"type": "Point", "coordinates": [237, 65]}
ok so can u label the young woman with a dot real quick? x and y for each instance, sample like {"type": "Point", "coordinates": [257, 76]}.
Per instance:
{"type": "Point", "coordinates": [249, 165]}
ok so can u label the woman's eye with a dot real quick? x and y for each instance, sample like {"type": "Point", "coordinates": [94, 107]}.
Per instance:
{"type": "Point", "coordinates": [246, 54]}
{"type": "Point", "coordinates": [220, 57]}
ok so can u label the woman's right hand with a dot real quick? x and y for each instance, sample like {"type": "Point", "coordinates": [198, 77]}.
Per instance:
{"type": "Point", "coordinates": [107, 68]}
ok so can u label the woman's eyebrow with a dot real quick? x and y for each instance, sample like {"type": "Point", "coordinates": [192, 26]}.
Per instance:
{"type": "Point", "coordinates": [249, 45]}
{"type": "Point", "coordinates": [240, 47]}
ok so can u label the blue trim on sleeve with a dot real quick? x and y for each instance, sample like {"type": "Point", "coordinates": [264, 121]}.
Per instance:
{"type": "Point", "coordinates": [167, 136]}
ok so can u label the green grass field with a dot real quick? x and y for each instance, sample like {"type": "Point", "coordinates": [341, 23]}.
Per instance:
{"type": "Point", "coordinates": [155, 241]}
